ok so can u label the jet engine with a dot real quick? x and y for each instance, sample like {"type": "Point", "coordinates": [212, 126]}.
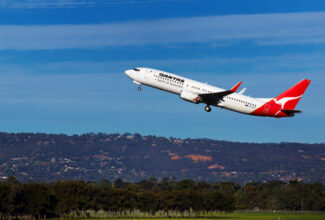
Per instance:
{"type": "Point", "coordinates": [189, 96]}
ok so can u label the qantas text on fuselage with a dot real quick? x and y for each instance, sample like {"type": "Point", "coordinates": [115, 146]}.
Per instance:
{"type": "Point", "coordinates": [196, 92]}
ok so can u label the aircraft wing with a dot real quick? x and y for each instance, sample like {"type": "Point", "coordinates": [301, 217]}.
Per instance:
{"type": "Point", "coordinates": [215, 98]}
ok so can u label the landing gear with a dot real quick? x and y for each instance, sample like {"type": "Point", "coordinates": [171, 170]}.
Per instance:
{"type": "Point", "coordinates": [207, 108]}
{"type": "Point", "coordinates": [139, 88]}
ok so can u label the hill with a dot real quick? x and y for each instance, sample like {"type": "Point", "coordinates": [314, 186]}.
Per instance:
{"type": "Point", "coordinates": [46, 157]}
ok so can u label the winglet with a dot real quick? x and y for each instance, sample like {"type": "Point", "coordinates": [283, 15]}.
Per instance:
{"type": "Point", "coordinates": [242, 91]}
{"type": "Point", "coordinates": [234, 89]}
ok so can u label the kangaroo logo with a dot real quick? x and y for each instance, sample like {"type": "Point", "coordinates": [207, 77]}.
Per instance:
{"type": "Point", "coordinates": [284, 100]}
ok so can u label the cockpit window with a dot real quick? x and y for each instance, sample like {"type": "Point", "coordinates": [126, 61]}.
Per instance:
{"type": "Point", "coordinates": [135, 69]}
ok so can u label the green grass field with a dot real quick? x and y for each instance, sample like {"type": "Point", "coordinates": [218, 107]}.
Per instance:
{"type": "Point", "coordinates": [248, 216]}
{"type": "Point", "coordinates": [277, 216]}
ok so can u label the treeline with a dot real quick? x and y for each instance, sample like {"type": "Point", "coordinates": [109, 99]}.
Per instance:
{"type": "Point", "coordinates": [149, 197]}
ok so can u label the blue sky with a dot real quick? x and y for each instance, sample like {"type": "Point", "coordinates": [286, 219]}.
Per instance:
{"type": "Point", "coordinates": [62, 64]}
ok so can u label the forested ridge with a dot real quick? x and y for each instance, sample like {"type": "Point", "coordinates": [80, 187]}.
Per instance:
{"type": "Point", "coordinates": [150, 197]}
{"type": "Point", "coordinates": [132, 157]}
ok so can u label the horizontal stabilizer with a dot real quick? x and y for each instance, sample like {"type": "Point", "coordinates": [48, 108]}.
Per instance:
{"type": "Point", "coordinates": [290, 112]}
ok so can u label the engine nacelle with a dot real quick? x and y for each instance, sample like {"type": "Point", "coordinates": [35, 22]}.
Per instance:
{"type": "Point", "coordinates": [189, 96]}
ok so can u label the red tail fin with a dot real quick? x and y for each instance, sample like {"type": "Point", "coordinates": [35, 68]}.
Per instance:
{"type": "Point", "coordinates": [290, 98]}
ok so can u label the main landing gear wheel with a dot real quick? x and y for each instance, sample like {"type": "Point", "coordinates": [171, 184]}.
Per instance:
{"type": "Point", "coordinates": [207, 108]}
{"type": "Point", "coordinates": [139, 88]}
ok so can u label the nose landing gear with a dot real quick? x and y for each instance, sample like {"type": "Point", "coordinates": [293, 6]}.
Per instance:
{"type": "Point", "coordinates": [139, 88]}
{"type": "Point", "coordinates": [207, 108]}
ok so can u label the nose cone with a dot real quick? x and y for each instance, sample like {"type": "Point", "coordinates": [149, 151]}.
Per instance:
{"type": "Point", "coordinates": [128, 73]}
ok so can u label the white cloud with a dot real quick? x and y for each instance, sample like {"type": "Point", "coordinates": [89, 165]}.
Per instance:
{"type": "Point", "coordinates": [41, 3]}
{"type": "Point", "coordinates": [35, 4]}
{"type": "Point", "coordinates": [293, 28]}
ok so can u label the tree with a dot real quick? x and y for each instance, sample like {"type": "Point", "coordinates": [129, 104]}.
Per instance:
{"type": "Point", "coordinates": [71, 195]}
{"type": "Point", "coordinates": [120, 184]}
{"type": "Point", "coordinates": [36, 199]}
{"type": "Point", "coordinates": [186, 184]}
{"type": "Point", "coordinates": [147, 202]}
{"type": "Point", "coordinates": [149, 184]}
{"type": "Point", "coordinates": [218, 201]}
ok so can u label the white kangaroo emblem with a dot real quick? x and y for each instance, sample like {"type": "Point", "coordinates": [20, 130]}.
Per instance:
{"type": "Point", "coordinates": [283, 101]}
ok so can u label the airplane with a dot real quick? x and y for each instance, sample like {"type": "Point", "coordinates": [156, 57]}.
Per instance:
{"type": "Point", "coordinates": [196, 92]}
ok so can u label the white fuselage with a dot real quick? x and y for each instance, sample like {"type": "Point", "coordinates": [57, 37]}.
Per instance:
{"type": "Point", "coordinates": [177, 84]}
